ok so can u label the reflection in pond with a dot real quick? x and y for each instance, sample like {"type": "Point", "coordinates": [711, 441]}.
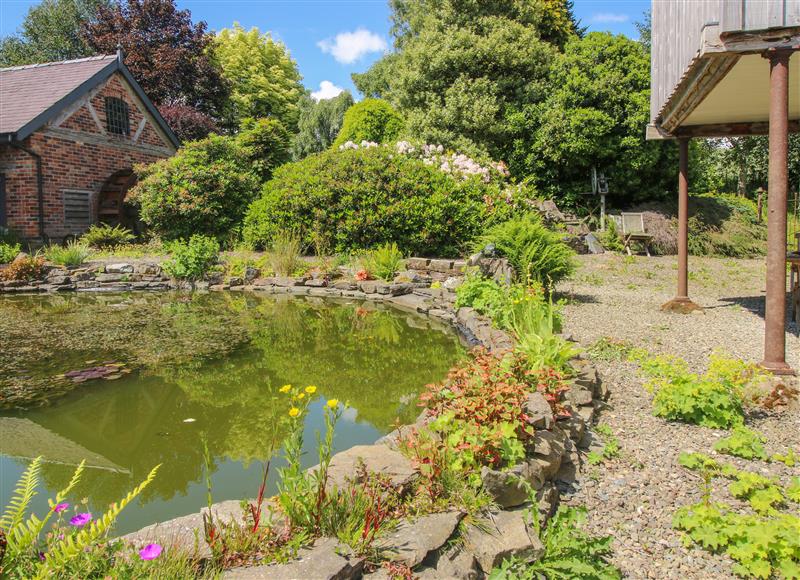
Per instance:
{"type": "Point", "coordinates": [204, 365]}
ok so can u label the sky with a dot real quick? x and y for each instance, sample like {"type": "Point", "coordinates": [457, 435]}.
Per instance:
{"type": "Point", "coordinates": [330, 39]}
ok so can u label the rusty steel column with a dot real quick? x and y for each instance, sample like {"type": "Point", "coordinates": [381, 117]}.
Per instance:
{"type": "Point", "coordinates": [775, 310]}
{"type": "Point", "coordinates": [681, 303]}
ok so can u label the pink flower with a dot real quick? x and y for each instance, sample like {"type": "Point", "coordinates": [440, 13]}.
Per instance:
{"type": "Point", "coordinates": [60, 507]}
{"type": "Point", "coordinates": [80, 520]}
{"type": "Point", "coordinates": [150, 552]}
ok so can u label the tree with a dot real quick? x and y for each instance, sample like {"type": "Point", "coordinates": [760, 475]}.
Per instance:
{"type": "Point", "coordinates": [371, 120]}
{"type": "Point", "coordinates": [319, 123]}
{"type": "Point", "coordinates": [188, 123]}
{"type": "Point", "coordinates": [266, 144]}
{"type": "Point", "coordinates": [461, 67]}
{"type": "Point", "coordinates": [645, 29]}
{"type": "Point", "coordinates": [595, 112]}
{"type": "Point", "coordinates": [263, 76]}
{"type": "Point", "coordinates": [166, 52]}
{"type": "Point", "coordinates": [51, 32]}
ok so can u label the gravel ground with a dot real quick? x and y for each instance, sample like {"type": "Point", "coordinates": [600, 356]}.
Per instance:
{"type": "Point", "coordinates": [634, 497]}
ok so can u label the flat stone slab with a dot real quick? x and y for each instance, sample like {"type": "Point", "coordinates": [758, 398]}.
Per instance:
{"type": "Point", "coordinates": [411, 542]}
{"type": "Point", "coordinates": [327, 559]}
{"type": "Point", "coordinates": [376, 458]}
{"type": "Point", "coordinates": [506, 535]}
{"type": "Point", "coordinates": [184, 533]}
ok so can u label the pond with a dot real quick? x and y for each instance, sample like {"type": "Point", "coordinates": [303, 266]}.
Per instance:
{"type": "Point", "coordinates": [129, 381]}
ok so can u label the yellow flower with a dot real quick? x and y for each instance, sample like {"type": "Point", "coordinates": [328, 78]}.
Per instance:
{"type": "Point", "coordinates": [285, 388]}
{"type": "Point", "coordinates": [301, 395]}
{"type": "Point", "coordinates": [294, 412]}
{"type": "Point", "coordinates": [333, 403]}
{"type": "Point", "coordinates": [311, 389]}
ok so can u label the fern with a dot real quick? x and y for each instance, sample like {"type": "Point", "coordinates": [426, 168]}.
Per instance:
{"type": "Point", "coordinates": [25, 535]}
{"type": "Point", "coordinates": [72, 546]}
{"type": "Point", "coordinates": [23, 494]}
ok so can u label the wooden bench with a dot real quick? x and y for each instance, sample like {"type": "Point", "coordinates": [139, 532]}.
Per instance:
{"type": "Point", "coordinates": [633, 231]}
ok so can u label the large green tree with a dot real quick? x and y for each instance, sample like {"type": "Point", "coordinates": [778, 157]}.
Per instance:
{"type": "Point", "coordinates": [51, 31]}
{"type": "Point", "coordinates": [319, 123]}
{"type": "Point", "coordinates": [263, 76]}
{"type": "Point", "coordinates": [595, 112]}
{"type": "Point", "coordinates": [462, 67]}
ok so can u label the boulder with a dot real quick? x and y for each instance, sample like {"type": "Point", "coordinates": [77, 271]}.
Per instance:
{"type": "Point", "coordinates": [326, 559]}
{"type": "Point", "coordinates": [417, 264]}
{"type": "Point", "coordinates": [508, 487]}
{"type": "Point", "coordinates": [376, 458]}
{"type": "Point", "coordinates": [505, 535]}
{"type": "Point", "coordinates": [452, 283]}
{"type": "Point", "coordinates": [579, 395]}
{"type": "Point", "coordinates": [549, 448]}
{"type": "Point", "coordinates": [593, 244]}
{"type": "Point", "coordinates": [410, 277]}
{"type": "Point", "coordinates": [455, 562]}
{"type": "Point", "coordinates": [444, 266]}
{"type": "Point", "coordinates": [120, 268]}
{"type": "Point", "coordinates": [573, 426]}
{"type": "Point", "coordinates": [317, 283]}
{"type": "Point", "coordinates": [345, 285]}
{"type": "Point", "coordinates": [547, 500]}
{"type": "Point", "coordinates": [411, 542]}
{"type": "Point", "coordinates": [539, 411]}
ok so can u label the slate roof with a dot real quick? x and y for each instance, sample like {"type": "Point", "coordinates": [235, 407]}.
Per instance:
{"type": "Point", "coordinates": [33, 94]}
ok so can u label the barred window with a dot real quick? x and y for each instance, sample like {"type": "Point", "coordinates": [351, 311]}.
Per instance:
{"type": "Point", "coordinates": [117, 116]}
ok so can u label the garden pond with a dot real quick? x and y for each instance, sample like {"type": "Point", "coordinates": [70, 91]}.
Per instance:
{"type": "Point", "coordinates": [129, 381]}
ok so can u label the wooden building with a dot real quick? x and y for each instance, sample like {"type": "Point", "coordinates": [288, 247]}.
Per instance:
{"type": "Point", "coordinates": [728, 68]}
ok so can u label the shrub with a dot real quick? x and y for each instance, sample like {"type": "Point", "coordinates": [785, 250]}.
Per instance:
{"type": "Point", "coordinates": [743, 442]}
{"type": "Point", "coordinates": [383, 262]}
{"type": "Point", "coordinates": [24, 268]}
{"type": "Point", "coordinates": [267, 145]}
{"type": "Point", "coordinates": [193, 259]}
{"type": "Point", "coordinates": [362, 198]}
{"type": "Point", "coordinates": [73, 254]}
{"type": "Point", "coordinates": [204, 189]}
{"type": "Point", "coordinates": [372, 120]}
{"type": "Point", "coordinates": [8, 252]}
{"type": "Point", "coordinates": [610, 238]}
{"type": "Point", "coordinates": [535, 252]}
{"type": "Point", "coordinates": [106, 236]}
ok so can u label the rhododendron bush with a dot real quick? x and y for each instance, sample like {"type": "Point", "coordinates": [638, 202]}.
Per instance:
{"type": "Point", "coordinates": [426, 200]}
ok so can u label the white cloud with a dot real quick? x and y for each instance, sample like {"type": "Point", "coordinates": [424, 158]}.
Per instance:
{"type": "Point", "coordinates": [609, 17]}
{"type": "Point", "coordinates": [327, 90]}
{"type": "Point", "coordinates": [348, 47]}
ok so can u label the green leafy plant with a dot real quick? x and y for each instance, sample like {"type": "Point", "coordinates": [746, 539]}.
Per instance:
{"type": "Point", "coordinates": [24, 268]}
{"type": "Point", "coordinates": [535, 252]}
{"type": "Point", "coordinates": [609, 349]}
{"type": "Point", "coordinates": [31, 555]}
{"type": "Point", "coordinates": [711, 400]}
{"type": "Point", "coordinates": [610, 448]}
{"type": "Point", "coordinates": [8, 252]}
{"type": "Point", "coordinates": [73, 254]}
{"type": "Point", "coordinates": [790, 458]}
{"type": "Point", "coordinates": [107, 236]}
{"type": "Point", "coordinates": [762, 493]}
{"type": "Point", "coordinates": [743, 442]}
{"type": "Point", "coordinates": [496, 300]}
{"type": "Point", "coordinates": [535, 324]}
{"type": "Point", "coordinates": [610, 238]}
{"type": "Point", "coordinates": [569, 552]}
{"type": "Point", "coordinates": [383, 262]}
{"type": "Point", "coordinates": [193, 259]}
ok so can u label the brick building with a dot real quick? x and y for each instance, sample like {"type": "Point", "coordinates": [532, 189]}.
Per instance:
{"type": "Point", "coordinates": [70, 135]}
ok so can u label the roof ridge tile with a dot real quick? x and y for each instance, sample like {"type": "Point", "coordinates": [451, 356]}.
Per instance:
{"type": "Point", "coordinates": [56, 63]}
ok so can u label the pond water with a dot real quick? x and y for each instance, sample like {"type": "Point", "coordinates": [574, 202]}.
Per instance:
{"type": "Point", "coordinates": [191, 367]}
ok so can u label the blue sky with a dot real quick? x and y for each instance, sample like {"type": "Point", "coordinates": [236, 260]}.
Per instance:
{"type": "Point", "coordinates": [330, 39]}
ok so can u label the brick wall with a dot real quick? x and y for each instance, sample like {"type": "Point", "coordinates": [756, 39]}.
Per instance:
{"type": "Point", "coordinates": [77, 154]}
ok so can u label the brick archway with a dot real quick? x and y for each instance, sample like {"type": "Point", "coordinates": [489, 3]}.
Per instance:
{"type": "Point", "coordinates": [111, 206]}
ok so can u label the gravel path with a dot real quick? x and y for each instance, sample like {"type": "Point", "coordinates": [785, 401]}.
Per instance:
{"type": "Point", "coordinates": [634, 497]}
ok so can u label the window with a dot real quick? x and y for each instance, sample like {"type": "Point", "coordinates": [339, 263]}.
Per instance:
{"type": "Point", "coordinates": [77, 213]}
{"type": "Point", "coordinates": [117, 116]}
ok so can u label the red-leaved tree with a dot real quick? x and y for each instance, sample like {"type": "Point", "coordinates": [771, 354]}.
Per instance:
{"type": "Point", "coordinates": [166, 53]}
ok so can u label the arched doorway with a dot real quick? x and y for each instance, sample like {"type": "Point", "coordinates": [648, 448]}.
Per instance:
{"type": "Point", "coordinates": [111, 206]}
